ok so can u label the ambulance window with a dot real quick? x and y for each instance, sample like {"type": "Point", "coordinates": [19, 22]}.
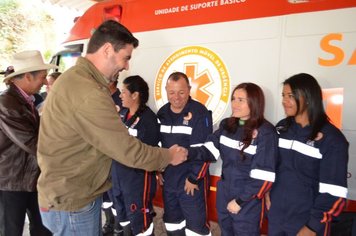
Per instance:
{"type": "Point", "coordinates": [67, 60]}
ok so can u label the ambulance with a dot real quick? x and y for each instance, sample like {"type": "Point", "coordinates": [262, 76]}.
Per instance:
{"type": "Point", "coordinates": [221, 43]}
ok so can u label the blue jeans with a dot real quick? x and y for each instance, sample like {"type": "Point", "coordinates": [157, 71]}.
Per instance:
{"type": "Point", "coordinates": [84, 222]}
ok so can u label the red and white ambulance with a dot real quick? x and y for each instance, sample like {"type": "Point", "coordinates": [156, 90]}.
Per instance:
{"type": "Point", "coordinates": [221, 43]}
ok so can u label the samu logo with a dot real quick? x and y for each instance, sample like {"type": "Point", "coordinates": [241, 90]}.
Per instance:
{"type": "Point", "coordinates": [208, 75]}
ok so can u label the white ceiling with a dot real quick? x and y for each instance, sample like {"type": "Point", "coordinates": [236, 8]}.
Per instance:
{"type": "Point", "coordinates": [79, 5]}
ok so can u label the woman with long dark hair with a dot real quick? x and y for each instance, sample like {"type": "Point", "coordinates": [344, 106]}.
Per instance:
{"type": "Point", "coordinates": [311, 184]}
{"type": "Point", "coordinates": [247, 145]}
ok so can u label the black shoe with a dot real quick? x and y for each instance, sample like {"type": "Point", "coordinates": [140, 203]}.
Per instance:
{"type": "Point", "coordinates": [118, 232]}
{"type": "Point", "coordinates": [108, 228]}
{"type": "Point", "coordinates": [123, 231]}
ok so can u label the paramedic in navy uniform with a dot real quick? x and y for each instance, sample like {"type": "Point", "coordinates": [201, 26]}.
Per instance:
{"type": "Point", "coordinates": [311, 184]}
{"type": "Point", "coordinates": [248, 146]}
{"type": "Point", "coordinates": [134, 189]}
{"type": "Point", "coordinates": [108, 207]}
{"type": "Point", "coordinates": [187, 123]}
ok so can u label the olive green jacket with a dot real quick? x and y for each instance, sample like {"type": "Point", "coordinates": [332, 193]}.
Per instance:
{"type": "Point", "coordinates": [80, 132]}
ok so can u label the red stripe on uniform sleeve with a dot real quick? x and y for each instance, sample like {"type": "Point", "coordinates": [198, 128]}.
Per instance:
{"type": "Point", "coordinates": [265, 187]}
{"type": "Point", "coordinates": [334, 211]}
{"type": "Point", "coordinates": [203, 170]}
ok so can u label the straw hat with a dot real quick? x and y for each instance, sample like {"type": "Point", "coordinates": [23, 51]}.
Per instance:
{"type": "Point", "coordinates": [28, 61]}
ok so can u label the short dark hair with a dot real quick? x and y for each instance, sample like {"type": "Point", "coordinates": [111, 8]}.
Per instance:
{"type": "Point", "coordinates": [111, 32]}
{"type": "Point", "coordinates": [175, 76]}
{"type": "Point", "coordinates": [55, 75]}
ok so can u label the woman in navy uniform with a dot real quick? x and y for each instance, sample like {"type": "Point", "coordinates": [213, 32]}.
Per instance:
{"type": "Point", "coordinates": [111, 226]}
{"type": "Point", "coordinates": [134, 189]}
{"type": "Point", "coordinates": [247, 145]}
{"type": "Point", "coordinates": [311, 184]}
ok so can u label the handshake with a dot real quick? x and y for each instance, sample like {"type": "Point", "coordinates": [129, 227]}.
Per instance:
{"type": "Point", "coordinates": [178, 154]}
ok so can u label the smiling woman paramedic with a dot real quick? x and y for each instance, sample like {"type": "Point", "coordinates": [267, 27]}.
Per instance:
{"type": "Point", "coordinates": [311, 184]}
{"type": "Point", "coordinates": [133, 189]}
{"type": "Point", "coordinates": [247, 144]}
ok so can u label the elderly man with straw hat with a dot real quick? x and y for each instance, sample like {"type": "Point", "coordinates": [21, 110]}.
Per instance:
{"type": "Point", "coordinates": [19, 125]}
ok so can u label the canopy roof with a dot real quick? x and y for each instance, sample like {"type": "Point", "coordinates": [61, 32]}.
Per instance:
{"type": "Point", "coordinates": [79, 5]}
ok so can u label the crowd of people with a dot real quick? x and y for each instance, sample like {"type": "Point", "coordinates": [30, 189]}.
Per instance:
{"type": "Point", "coordinates": [95, 140]}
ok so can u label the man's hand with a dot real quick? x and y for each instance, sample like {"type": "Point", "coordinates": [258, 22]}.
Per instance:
{"type": "Point", "coordinates": [233, 207]}
{"type": "Point", "coordinates": [178, 154]}
{"type": "Point", "coordinates": [189, 187]}
{"type": "Point", "coordinates": [305, 231]}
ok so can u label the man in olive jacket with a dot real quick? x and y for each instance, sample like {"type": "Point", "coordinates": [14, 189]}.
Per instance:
{"type": "Point", "coordinates": [19, 123]}
{"type": "Point", "coordinates": [81, 132]}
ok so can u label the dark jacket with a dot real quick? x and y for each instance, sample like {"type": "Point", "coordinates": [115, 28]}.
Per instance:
{"type": "Point", "coordinates": [189, 128]}
{"type": "Point", "coordinates": [18, 142]}
{"type": "Point", "coordinates": [311, 179]}
{"type": "Point", "coordinates": [145, 127]}
{"type": "Point", "coordinates": [245, 177]}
